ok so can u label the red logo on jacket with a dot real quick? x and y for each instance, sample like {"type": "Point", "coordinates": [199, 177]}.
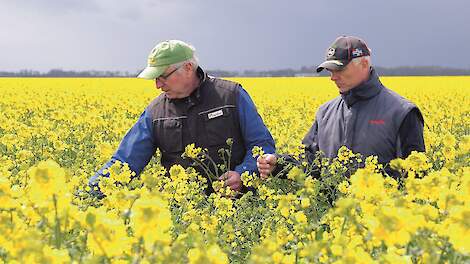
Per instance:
{"type": "Point", "coordinates": [376, 121]}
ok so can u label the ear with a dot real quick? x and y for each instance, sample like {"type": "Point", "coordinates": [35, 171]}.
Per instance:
{"type": "Point", "coordinates": [364, 64]}
{"type": "Point", "coordinates": [188, 67]}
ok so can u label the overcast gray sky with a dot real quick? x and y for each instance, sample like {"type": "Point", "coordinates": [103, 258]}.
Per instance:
{"type": "Point", "coordinates": [229, 35]}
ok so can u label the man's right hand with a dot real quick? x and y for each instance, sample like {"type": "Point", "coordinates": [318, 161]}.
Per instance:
{"type": "Point", "coordinates": [266, 164]}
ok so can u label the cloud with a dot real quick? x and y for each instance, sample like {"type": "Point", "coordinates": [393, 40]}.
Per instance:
{"type": "Point", "coordinates": [51, 7]}
{"type": "Point", "coordinates": [231, 35]}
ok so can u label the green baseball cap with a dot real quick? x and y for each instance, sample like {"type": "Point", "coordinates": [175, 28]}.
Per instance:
{"type": "Point", "coordinates": [163, 55]}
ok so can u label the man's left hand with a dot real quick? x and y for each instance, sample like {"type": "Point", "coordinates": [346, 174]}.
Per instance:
{"type": "Point", "coordinates": [233, 180]}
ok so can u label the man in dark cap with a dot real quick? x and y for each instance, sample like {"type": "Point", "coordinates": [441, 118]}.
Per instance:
{"type": "Point", "coordinates": [367, 117]}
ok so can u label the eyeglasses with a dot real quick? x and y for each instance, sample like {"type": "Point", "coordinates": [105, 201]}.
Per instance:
{"type": "Point", "coordinates": [166, 76]}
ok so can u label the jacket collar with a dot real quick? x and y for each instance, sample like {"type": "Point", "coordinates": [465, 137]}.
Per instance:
{"type": "Point", "coordinates": [365, 90]}
{"type": "Point", "coordinates": [196, 94]}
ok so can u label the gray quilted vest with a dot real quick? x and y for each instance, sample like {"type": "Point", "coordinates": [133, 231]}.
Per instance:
{"type": "Point", "coordinates": [366, 120]}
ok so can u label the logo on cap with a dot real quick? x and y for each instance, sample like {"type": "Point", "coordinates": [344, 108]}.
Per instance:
{"type": "Point", "coordinates": [151, 60]}
{"type": "Point", "coordinates": [357, 52]}
{"type": "Point", "coordinates": [331, 52]}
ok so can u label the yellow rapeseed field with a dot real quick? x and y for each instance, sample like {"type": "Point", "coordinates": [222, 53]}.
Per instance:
{"type": "Point", "coordinates": [56, 133]}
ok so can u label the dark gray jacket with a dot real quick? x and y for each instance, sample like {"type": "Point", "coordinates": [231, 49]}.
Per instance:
{"type": "Point", "coordinates": [367, 120]}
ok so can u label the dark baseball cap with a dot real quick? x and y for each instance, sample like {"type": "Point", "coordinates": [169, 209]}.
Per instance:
{"type": "Point", "coordinates": [342, 51]}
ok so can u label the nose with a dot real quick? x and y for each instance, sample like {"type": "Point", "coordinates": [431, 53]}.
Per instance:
{"type": "Point", "coordinates": [334, 76]}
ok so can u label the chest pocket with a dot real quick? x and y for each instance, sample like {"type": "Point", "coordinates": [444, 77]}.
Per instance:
{"type": "Point", "coordinates": [218, 124]}
{"type": "Point", "coordinates": [169, 133]}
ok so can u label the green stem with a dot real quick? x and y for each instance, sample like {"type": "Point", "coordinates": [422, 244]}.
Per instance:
{"type": "Point", "coordinates": [229, 154]}
{"type": "Point", "coordinates": [205, 168]}
{"type": "Point", "coordinates": [216, 169]}
{"type": "Point", "coordinates": [57, 233]}
{"type": "Point", "coordinates": [11, 217]}
{"type": "Point", "coordinates": [101, 247]}
{"type": "Point", "coordinates": [224, 160]}
{"type": "Point", "coordinates": [344, 224]}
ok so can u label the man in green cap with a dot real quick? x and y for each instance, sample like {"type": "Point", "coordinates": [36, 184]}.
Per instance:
{"type": "Point", "coordinates": [192, 108]}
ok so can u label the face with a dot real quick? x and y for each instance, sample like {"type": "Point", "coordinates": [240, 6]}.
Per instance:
{"type": "Point", "coordinates": [350, 76]}
{"type": "Point", "coordinates": [175, 82]}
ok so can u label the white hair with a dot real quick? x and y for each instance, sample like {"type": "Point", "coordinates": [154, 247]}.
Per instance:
{"type": "Point", "coordinates": [193, 61]}
{"type": "Point", "coordinates": [359, 59]}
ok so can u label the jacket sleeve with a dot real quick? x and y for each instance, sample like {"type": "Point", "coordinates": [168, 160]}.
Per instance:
{"type": "Point", "coordinates": [136, 148]}
{"type": "Point", "coordinates": [254, 132]}
{"type": "Point", "coordinates": [310, 142]}
{"type": "Point", "coordinates": [411, 133]}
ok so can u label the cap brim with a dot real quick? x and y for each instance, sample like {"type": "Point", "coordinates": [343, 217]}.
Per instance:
{"type": "Point", "coordinates": [152, 73]}
{"type": "Point", "coordinates": [331, 65]}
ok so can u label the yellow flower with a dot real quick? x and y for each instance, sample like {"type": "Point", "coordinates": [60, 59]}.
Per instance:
{"type": "Point", "coordinates": [257, 151]}
{"type": "Point", "coordinates": [107, 234]}
{"type": "Point", "coordinates": [357, 255]}
{"type": "Point", "coordinates": [151, 220]}
{"type": "Point", "coordinates": [367, 185]}
{"type": "Point", "coordinates": [52, 255]}
{"type": "Point", "coordinates": [195, 255]}
{"type": "Point", "coordinates": [344, 154]}
{"type": "Point", "coordinates": [305, 202]}
{"type": "Point", "coordinates": [296, 174]}
{"type": "Point", "coordinates": [178, 173]}
{"type": "Point", "coordinates": [449, 140]}
{"type": "Point", "coordinates": [277, 257]}
{"type": "Point", "coordinates": [457, 228]}
{"type": "Point", "coordinates": [343, 187]}
{"type": "Point", "coordinates": [47, 178]}
{"type": "Point", "coordinates": [247, 179]}
{"type": "Point", "coordinates": [393, 256]}
{"type": "Point", "coordinates": [336, 250]}
{"type": "Point", "coordinates": [120, 172]}
{"type": "Point", "coordinates": [224, 207]}
{"type": "Point", "coordinates": [300, 217]}
{"type": "Point", "coordinates": [464, 144]}
{"type": "Point", "coordinates": [285, 206]}
{"type": "Point", "coordinates": [216, 255]}
{"type": "Point", "coordinates": [192, 152]}
{"type": "Point", "coordinates": [105, 150]}
{"type": "Point", "coordinates": [417, 162]}
{"type": "Point", "coordinates": [213, 255]}
{"type": "Point", "coordinates": [6, 195]}
{"type": "Point", "coordinates": [395, 225]}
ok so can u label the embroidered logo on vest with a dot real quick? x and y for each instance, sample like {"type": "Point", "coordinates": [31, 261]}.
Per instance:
{"type": "Point", "coordinates": [377, 121]}
{"type": "Point", "coordinates": [215, 114]}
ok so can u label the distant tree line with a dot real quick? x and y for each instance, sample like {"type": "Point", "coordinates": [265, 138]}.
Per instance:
{"type": "Point", "coordinates": [422, 71]}
{"type": "Point", "coordinates": [64, 73]}
{"type": "Point", "coordinates": [382, 71]}
{"type": "Point", "coordinates": [303, 71]}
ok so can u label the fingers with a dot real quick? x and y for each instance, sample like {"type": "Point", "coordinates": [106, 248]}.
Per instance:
{"type": "Point", "coordinates": [223, 177]}
{"type": "Point", "coordinates": [264, 172]}
{"type": "Point", "coordinates": [264, 176]}
{"type": "Point", "coordinates": [232, 179]}
{"type": "Point", "coordinates": [266, 164]}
